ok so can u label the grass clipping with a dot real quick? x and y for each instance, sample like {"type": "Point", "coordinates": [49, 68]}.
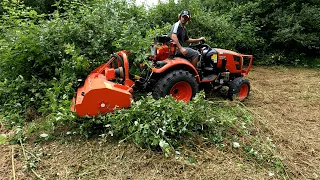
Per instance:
{"type": "Point", "coordinates": [167, 124]}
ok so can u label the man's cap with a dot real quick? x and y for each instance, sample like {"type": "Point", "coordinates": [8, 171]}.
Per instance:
{"type": "Point", "coordinates": [185, 13]}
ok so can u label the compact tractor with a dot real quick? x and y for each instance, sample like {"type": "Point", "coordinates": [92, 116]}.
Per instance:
{"type": "Point", "coordinates": [111, 85]}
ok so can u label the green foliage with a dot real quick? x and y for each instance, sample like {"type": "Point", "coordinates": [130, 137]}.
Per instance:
{"type": "Point", "coordinates": [167, 123]}
{"type": "Point", "coordinates": [42, 59]}
{"type": "Point", "coordinates": [290, 29]}
{"type": "Point", "coordinates": [3, 138]}
{"type": "Point", "coordinates": [41, 6]}
{"type": "Point", "coordinates": [17, 96]}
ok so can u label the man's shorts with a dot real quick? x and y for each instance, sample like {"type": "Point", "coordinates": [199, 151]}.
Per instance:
{"type": "Point", "coordinates": [191, 54]}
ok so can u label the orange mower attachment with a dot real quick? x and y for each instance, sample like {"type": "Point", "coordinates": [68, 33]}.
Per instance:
{"type": "Point", "coordinates": [101, 92]}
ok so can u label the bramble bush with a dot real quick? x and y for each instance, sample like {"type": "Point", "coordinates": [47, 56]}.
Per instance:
{"type": "Point", "coordinates": [44, 56]}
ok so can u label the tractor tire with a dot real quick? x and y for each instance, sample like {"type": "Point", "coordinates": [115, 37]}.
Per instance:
{"type": "Point", "coordinates": [179, 83]}
{"type": "Point", "coordinates": [239, 88]}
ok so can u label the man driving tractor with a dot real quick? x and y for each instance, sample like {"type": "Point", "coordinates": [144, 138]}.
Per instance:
{"type": "Point", "coordinates": [179, 35]}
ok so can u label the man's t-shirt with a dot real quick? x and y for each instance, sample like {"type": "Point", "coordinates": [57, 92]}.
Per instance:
{"type": "Point", "coordinates": [180, 31]}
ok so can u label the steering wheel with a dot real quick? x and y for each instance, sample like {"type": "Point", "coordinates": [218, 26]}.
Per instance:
{"type": "Point", "coordinates": [199, 45]}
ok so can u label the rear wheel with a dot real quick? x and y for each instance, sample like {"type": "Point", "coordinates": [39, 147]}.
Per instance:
{"type": "Point", "coordinates": [239, 89]}
{"type": "Point", "coordinates": [179, 83]}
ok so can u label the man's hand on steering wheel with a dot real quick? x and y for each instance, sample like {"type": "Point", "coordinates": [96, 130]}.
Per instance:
{"type": "Point", "coordinates": [202, 40]}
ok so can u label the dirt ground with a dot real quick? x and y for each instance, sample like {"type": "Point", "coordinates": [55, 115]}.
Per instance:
{"type": "Point", "coordinates": [288, 100]}
{"type": "Point", "coordinates": [285, 100]}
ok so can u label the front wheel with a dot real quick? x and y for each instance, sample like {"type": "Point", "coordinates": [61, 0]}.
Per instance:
{"type": "Point", "coordinates": [179, 83]}
{"type": "Point", "coordinates": [239, 88]}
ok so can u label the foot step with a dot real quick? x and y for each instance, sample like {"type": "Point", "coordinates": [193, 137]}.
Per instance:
{"type": "Point", "coordinates": [210, 77]}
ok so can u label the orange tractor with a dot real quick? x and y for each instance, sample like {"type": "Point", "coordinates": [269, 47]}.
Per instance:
{"type": "Point", "coordinates": [111, 85]}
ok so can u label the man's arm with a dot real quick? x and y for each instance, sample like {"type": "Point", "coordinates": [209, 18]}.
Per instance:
{"type": "Point", "coordinates": [190, 40]}
{"type": "Point", "coordinates": [174, 38]}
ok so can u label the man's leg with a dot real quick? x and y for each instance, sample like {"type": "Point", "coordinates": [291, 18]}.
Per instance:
{"type": "Point", "coordinates": [192, 55]}
{"type": "Point", "coordinates": [194, 62]}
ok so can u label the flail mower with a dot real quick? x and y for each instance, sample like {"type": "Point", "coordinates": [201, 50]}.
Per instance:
{"type": "Point", "coordinates": [111, 85]}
